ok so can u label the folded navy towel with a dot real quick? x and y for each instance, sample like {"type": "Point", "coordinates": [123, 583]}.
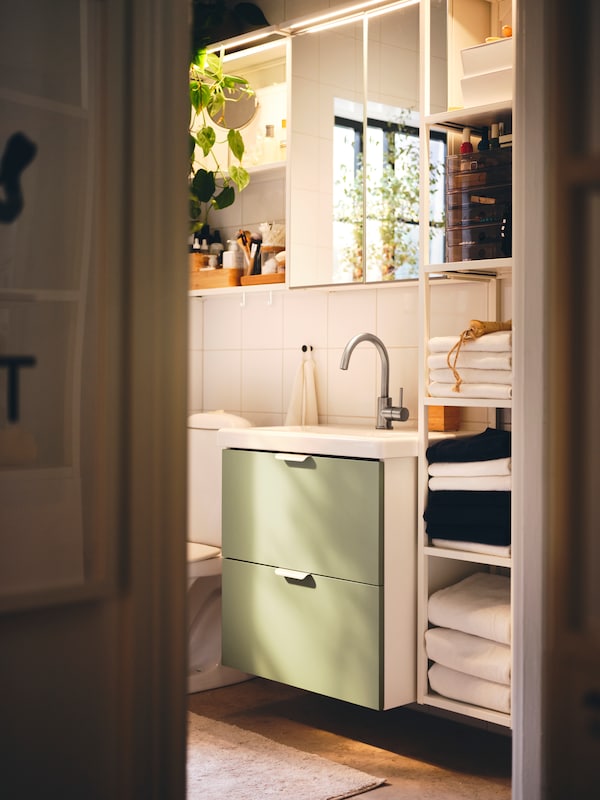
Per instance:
{"type": "Point", "coordinates": [491, 443]}
{"type": "Point", "coordinates": [481, 516]}
{"type": "Point", "coordinates": [456, 499]}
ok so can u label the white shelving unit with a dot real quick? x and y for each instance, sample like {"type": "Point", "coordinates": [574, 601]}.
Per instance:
{"type": "Point", "coordinates": [440, 566]}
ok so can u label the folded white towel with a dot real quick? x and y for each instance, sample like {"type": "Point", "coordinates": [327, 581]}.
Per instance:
{"type": "Point", "coordinates": [469, 375]}
{"type": "Point", "coordinates": [473, 655]}
{"type": "Point", "coordinates": [303, 402]}
{"type": "Point", "coordinates": [469, 689]}
{"type": "Point", "coordinates": [479, 604]}
{"type": "Point", "coordinates": [498, 341]}
{"type": "Point", "coordinates": [473, 547]}
{"type": "Point", "coordinates": [478, 483]}
{"type": "Point", "coordinates": [473, 360]}
{"type": "Point", "coordinates": [495, 466]}
{"type": "Point", "coordinates": [485, 391]}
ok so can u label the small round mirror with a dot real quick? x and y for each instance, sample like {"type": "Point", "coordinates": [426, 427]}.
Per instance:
{"type": "Point", "coordinates": [238, 110]}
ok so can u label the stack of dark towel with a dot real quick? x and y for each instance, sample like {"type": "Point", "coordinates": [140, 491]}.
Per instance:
{"type": "Point", "coordinates": [469, 498]}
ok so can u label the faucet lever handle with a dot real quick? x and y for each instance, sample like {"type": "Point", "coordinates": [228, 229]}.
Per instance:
{"type": "Point", "coordinates": [404, 412]}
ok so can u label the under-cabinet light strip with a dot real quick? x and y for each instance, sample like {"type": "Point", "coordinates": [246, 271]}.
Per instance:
{"type": "Point", "coordinates": [342, 16]}
{"type": "Point", "coordinates": [260, 48]}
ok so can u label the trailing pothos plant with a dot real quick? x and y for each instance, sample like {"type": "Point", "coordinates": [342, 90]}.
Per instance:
{"type": "Point", "coordinates": [213, 185]}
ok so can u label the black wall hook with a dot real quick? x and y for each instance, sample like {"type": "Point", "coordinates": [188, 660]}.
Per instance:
{"type": "Point", "coordinates": [306, 347]}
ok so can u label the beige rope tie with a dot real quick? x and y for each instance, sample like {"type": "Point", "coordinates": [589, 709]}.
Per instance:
{"type": "Point", "coordinates": [474, 331]}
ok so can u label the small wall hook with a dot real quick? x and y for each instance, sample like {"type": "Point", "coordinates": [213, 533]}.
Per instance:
{"type": "Point", "coordinates": [306, 347]}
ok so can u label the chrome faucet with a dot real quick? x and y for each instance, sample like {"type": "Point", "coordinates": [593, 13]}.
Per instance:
{"type": "Point", "coordinates": [386, 412]}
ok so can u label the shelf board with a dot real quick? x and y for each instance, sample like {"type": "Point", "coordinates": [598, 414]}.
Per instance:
{"type": "Point", "coordinates": [475, 117]}
{"type": "Point", "coordinates": [469, 402]}
{"type": "Point", "coordinates": [472, 270]}
{"type": "Point", "coordinates": [486, 714]}
{"type": "Point", "coordinates": [463, 555]}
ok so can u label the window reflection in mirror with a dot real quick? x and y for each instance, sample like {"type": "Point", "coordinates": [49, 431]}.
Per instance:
{"type": "Point", "coordinates": [359, 169]}
{"type": "Point", "coordinates": [391, 183]}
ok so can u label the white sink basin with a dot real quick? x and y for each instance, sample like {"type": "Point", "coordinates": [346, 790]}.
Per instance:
{"type": "Point", "coordinates": [329, 440]}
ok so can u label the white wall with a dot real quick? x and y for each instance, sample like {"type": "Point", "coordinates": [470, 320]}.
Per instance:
{"type": "Point", "coordinates": [245, 347]}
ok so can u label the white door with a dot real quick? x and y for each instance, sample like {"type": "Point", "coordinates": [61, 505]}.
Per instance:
{"type": "Point", "coordinates": [93, 278]}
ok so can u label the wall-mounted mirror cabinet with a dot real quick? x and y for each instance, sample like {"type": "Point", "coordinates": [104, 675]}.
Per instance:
{"type": "Point", "coordinates": [349, 93]}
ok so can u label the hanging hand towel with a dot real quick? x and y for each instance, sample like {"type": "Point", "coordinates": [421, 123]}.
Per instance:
{"type": "Point", "coordinates": [303, 402]}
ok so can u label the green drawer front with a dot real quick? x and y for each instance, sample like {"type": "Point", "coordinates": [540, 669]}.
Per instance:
{"type": "Point", "coordinates": [322, 515]}
{"type": "Point", "coordinates": [322, 634]}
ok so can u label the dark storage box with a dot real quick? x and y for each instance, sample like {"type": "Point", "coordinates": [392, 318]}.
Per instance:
{"type": "Point", "coordinates": [478, 205]}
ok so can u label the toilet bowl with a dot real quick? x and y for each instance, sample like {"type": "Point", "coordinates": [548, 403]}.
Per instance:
{"type": "Point", "coordinates": [205, 670]}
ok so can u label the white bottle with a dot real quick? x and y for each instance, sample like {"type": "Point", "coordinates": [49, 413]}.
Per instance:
{"type": "Point", "coordinates": [270, 145]}
{"type": "Point", "coordinates": [232, 257]}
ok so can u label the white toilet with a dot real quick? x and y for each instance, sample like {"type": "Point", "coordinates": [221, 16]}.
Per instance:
{"type": "Point", "coordinates": [205, 670]}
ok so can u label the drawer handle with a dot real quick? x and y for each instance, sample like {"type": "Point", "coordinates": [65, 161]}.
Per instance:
{"type": "Point", "coordinates": [291, 573]}
{"type": "Point", "coordinates": [299, 457]}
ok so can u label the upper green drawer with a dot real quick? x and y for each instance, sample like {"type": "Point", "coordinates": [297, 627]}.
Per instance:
{"type": "Point", "coordinates": [322, 515]}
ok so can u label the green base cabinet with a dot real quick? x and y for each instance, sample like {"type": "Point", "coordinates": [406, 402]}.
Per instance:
{"type": "Point", "coordinates": [319, 573]}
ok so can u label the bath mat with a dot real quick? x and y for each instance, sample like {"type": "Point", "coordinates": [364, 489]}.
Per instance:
{"type": "Point", "coordinates": [224, 761]}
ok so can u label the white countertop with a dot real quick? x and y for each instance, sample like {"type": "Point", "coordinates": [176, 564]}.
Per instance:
{"type": "Point", "coordinates": [328, 440]}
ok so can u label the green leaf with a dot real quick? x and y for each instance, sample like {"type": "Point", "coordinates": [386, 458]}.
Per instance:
{"type": "Point", "coordinates": [239, 176]}
{"type": "Point", "coordinates": [195, 95]}
{"type": "Point", "coordinates": [236, 143]}
{"type": "Point", "coordinates": [206, 139]}
{"type": "Point", "coordinates": [192, 147]}
{"type": "Point", "coordinates": [224, 198]}
{"type": "Point", "coordinates": [235, 82]}
{"type": "Point", "coordinates": [203, 185]}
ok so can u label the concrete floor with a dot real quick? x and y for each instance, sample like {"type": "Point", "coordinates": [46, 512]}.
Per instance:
{"type": "Point", "coordinates": [422, 757]}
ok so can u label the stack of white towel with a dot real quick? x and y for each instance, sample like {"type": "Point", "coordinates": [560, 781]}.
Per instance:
{"type": "Point", "coordinates": [471, 645]}
{"type": "Point", "coordinates": [484, 365]}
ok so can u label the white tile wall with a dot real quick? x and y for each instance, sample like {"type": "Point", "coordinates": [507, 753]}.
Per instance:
{"type": "Point", "coordinates": [246, 347]}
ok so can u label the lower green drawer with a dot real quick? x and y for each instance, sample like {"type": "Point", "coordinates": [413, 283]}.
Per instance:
{"type": "Point", "coordinates": [320, 634]}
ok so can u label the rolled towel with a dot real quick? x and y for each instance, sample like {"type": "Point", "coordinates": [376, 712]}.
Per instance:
{"type": "Point", "coordinates": [482, 391]}
{"type": "Point", "coordinates": [473, 547]}
{"type": "Point", "coordinates": [494, 466]}
{"type": "Point", "coordinates": [496, 342]}
{"type": "Point", "coordinates": [489, 444]}
{"type": "Point", "coordinates": [472, 360]}
{"type": "Point", "coordinates": [469, 689]}
{"type": "Point", "coordinates": [470, 375]}
{"type": "Point", "coordinates": [479, 604]}
{"type": "Point", "coordinates": [473, 655]}
{"type": "Point", "coordinates": [477, 483]}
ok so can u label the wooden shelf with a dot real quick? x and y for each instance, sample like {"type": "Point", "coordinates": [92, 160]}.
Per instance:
{"type": "Point", "coordinates": [467, 710]}
{"type": "Point", "coordinates": [464, 555]}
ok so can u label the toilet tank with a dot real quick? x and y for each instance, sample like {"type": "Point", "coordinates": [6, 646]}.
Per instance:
{"type": "Point", "coordinates": [204, 474]}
